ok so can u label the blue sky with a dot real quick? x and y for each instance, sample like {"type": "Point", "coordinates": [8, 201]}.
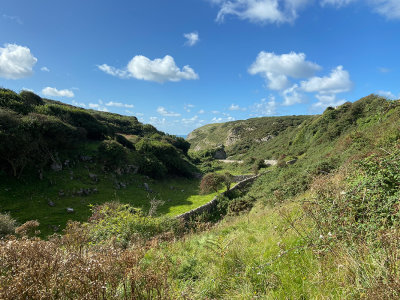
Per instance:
{"type": "Point", "coordinates": [181, 64]}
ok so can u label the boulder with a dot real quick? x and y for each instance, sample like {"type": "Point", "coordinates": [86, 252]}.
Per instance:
{"type": "Point", "coordinates": [70, 210]}
{"type": "Point", "coordinates": [55, 166]}
{"type": "Point", "coordinates": [51, 203]}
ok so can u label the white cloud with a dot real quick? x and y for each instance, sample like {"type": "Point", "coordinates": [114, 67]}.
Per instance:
{"type": "Point", "coordinates": [260, 11]}
{"type": "Point", "coordinates": [53, 92]}
{"type": "Point", "coordinates": [13, 18]}
{"type": "Point", "coordinates": [337, 3]}
{"type": "Point", "coordinates": [44, 69]}
{"type": "Point", "coordinates": [384, 70]}
{"type": "Point", "coordinates": [78, 103]}
{"type": "Point", "coordinates": [387, 8]}
{"type": "Point", "coordinates": [337, 82]}
{"type": "Point", "coordinates": [292, 96]}
{"type": "Point", "coordinates": [264, 107]}
{"type": "Point", "coordinates": [215, 112]}
{"type": "Point", "coordinates": [235, 107]}
{"type": "Point", "coordinates": [119, 104]}
{"type": "Point", "coordinates": [16, 61]}
{"type": "Point", "coordinates": [326, 100]}
{"type": "Point", "coordinates": [159, 70]}
{"type": "Point", "coordinates": [98, 106]}
{"type": "Point", "coordinates": [222, 120]}
{"type": "Point", "coordinates": [188, 107]}
{"type": "Point", "coordinates": [201, 111]}
{"type": "Point", "coordinates": [28, 90]}
{"type": "Point", "coordinates": [162, 111]}
{"type": "Point", "coordinates": [157, 121]}
{"type": "Point", "coordinates": [191, 38]}
{"type": "Point", "coordinates": [277, 68]}
{"type": "Point", "coordinates": [388, 94]}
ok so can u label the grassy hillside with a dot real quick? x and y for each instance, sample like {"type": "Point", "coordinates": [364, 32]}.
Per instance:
{"type": "Point", "coordinates": [324, 223]}
{"type": "Point", "coordinates": [55, 156]}
{"type": "Point", "coordinates": [238, 135]}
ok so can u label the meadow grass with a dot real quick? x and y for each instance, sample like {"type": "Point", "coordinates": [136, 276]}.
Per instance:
{"type": "Point", "coordinates": [28, 199]}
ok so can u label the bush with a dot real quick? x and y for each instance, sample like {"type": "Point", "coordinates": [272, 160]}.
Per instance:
{"type": "Point", "coordinates": [112, 154]}
{"type": "Point", "coordinates": [31, 98]}
{"type": "Point", "coordinates": [211, 182]}
{"type": "Point", "coordinates": [7, 225]}
{"type": "Point", "coordinates": [124, 225]}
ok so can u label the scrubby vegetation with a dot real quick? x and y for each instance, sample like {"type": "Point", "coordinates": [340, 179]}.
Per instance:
{"type": "Point", "coordinates": [323, 223]}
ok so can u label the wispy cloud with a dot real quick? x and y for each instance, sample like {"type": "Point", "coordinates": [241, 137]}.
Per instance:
{"type": "Point", "coordinates": [191, 38]}
{"type": "Point", "coordinates": [44, 69]}
{"type": "Point", "coordinates": [13, 18]}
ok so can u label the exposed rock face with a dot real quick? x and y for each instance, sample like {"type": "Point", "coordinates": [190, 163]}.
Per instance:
{"type": "Point", "coordinates": [291, 162]}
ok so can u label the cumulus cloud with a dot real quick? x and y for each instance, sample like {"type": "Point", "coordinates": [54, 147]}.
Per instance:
{"type": "Point", "coordinates": [53, 92]}
{"type": "Point", "coordinates": [44, 69]}
{"type": "Point", "coordinates": [201, 111]}
{"type": "Point", "coordinates": [159, 70]}
{"type": "Point", "coordinates": [337, 82]}
{"type": "Point", "coordinates": [191, 38]}
{"type": "Point", "coordinates": [162, 111]}
{"type": "Point", "coordinates": [260, 11]}
{"type": "Point", "coordinates": [119, 104]}
{"type": "Point", "coordinates": [266, 107]}
{"type": "Point", "coordinates": [326, 100]}
{"type": "Point", "coordinates": [16, 61]}
{"type": "Point", "coordinates": [277, 68]}
{"type": "Point", "coordinates": [292, 96]}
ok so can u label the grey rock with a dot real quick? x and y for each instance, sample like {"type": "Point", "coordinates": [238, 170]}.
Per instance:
{"type": "Point", "coordinates": [51, 203]}
{"type": "Point", "coordinates": [123, 185]}
{"type": "Point", "coordinates": [70, 210]}
{"type": "Point", "coordinates": [146, 186]}
{"type": "Point", "coordinates": [55, 166]}
{"type": "Point", "coordinates": [291, 162]}
{"type": "Point", "coordinates": [95, 190]}
{"type": "Point", "coordinates": [61, 193]}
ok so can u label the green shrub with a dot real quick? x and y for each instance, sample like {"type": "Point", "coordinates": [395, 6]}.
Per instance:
{"type": "Point", "coordinates": [122, 224]}
{"type": "Point", "coordinates": [7, 225]}
{"type": "Point", "coordinates": [112, 154]}
{"type": "Point", "coordinates": [31, 98]}
{"type": "Point", "coordinates": [211, 182]}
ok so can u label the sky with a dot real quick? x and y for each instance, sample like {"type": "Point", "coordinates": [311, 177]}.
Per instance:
{"type": "Point", "coordinates": [181, 64]}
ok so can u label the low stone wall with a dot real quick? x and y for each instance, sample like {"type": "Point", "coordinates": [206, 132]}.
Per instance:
{"type": "Point", "coordinates": [238, 178]}
{"type": "Point", "coordinates": [213, 203]}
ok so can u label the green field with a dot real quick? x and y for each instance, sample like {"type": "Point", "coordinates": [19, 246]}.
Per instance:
{"type": "Point", "coordinates": [29, 199]}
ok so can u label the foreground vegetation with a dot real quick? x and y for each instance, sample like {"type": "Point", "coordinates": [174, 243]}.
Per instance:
{"type": "Point", "coordinates": [321, 224]}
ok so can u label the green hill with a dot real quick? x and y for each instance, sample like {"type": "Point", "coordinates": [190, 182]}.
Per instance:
{"type": "Point", "coordinates": [323, 223]}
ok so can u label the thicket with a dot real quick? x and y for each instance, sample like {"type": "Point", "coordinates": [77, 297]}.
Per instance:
{"type": "Point", "coordinates": [36, 132]}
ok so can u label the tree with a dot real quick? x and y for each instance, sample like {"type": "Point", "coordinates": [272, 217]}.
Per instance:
{"type": "Point", "coordinates": [211, 182]}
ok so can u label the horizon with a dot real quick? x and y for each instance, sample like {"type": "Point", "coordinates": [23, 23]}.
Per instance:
{"type": "Point", "coordinates": [182, 66]}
